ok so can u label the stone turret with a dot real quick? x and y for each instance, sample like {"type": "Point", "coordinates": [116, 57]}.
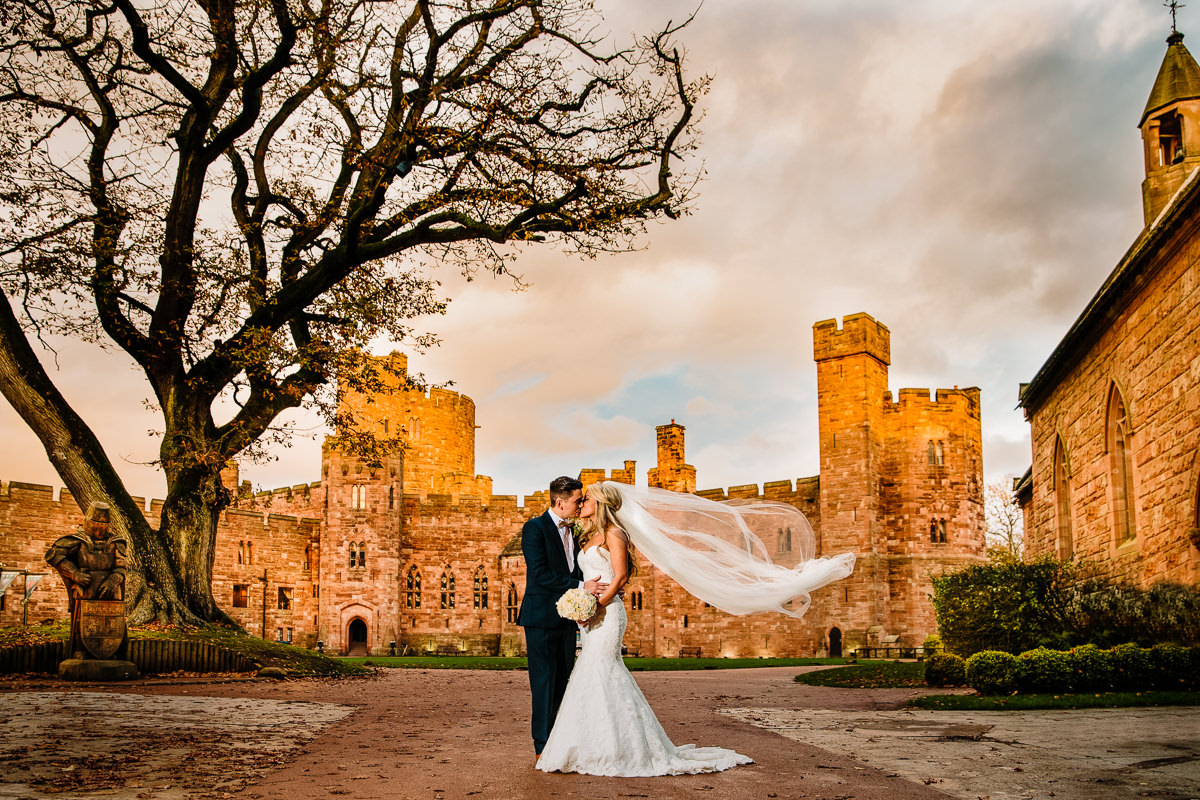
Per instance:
{"type": "Point", "coordinates": [672, 473]}
{"type": "Point", "coordinates": [1170, 127]}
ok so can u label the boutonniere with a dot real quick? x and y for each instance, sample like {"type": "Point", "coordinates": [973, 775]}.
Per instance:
{"type": "Point", "coordinates": [576, 531]}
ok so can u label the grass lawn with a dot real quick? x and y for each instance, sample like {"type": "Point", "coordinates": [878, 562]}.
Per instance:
{"type": "Point", "coordinates": [1031, 702]}
{"type": "Point", "coordinates": [634, 664]}
{"type": "Point", "coordinates": [869, 675]}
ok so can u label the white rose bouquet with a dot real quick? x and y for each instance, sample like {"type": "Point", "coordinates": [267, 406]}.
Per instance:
{"type": "Point", "coordinates": [576, 605]}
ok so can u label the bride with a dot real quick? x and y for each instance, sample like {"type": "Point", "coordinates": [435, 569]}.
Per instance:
{"type": "Point", "coordinates": [604, 725]}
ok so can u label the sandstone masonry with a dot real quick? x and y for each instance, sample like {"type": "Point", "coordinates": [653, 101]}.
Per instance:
{"type": "Point", "coordinates": [416, 553]}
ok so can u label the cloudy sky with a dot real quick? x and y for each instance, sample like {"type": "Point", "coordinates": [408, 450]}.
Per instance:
{"type": "Point", "coordinates": [966, 173]}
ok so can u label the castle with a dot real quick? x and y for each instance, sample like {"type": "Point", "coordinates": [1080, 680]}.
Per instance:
{"type": "Point", "coordinates": [1115, 410]}
{"type": "Point", "coordinates": [416, 553]}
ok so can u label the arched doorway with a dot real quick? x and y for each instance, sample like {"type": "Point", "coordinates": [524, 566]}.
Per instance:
{"type": "Point", "coordinates": [835, 643]}
{"type": "Point", "coordinates": [358, 638]}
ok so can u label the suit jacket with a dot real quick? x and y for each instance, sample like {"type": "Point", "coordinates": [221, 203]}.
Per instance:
{"type": "Point", "coordinates": [547, 575]}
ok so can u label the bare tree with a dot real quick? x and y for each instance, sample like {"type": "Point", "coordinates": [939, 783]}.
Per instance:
{"type": "Point", "coordinates": [241, 194]}
{"type": "Point", "coordinates": [1005, 522]}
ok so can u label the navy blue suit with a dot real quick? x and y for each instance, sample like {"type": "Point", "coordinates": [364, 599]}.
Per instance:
{"type": "Point", "coordinates": [549, 639]}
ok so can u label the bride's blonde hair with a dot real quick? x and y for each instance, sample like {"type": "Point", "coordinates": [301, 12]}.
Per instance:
{"type": "Point", "coordinates": [608, 503]}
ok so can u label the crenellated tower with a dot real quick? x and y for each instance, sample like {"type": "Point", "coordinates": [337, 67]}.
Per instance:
{"type": "Point", "coordinates": [852, 379]}
{"type": "Point", "coordinates": [437, 428]}
{"type": "Point", "coordinates": [901, 482]}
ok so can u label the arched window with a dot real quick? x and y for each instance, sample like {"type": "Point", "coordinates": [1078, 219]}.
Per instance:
{"type": "Point", "coordinates": [511, 605]}
{"type": "Point", "coordinates": [358, 497]}
{"type": "Point", "coordinates": [940, 453]}
{"type": "Point", "coordinates": [785, 540]}
{"type": "Point", "coordinates": [249, 552]}
{"type": "Point", "coordinates": [1120, 460]}
{"type": "Point", "coordinates": [1064, 541]}
{"type": "Point", "coordinates": [412, 589]}
{"type": "Point", "coordinates": [241, 552]}
{"type": "Point", "coordinates": [362, 554]}
{"type": "Point", "coordinates": [933, 531]}
{"type": "Point", "coordinates": [635, 601]}
{"type": "Point", "coordinates": [447, 594]}
{"type": "Point", "coordinates": [391, 497]}
{"type": "Point", "coordinates": [307, 557]}
{"type": "Point", "coordinates": [937, 531]}
{"type": "Point", "coordinates": [941, 531]}
{"type": "Point", "coordinates": [479, 590]}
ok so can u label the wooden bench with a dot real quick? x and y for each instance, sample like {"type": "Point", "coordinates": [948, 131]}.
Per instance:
{"type": "Point", "coordinates": [448, 650]}
{"type": "Point", "coordinates": [689, 652]}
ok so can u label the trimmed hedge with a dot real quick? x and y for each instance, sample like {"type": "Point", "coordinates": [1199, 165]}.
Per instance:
{"type": "Point", "coordinates": [1091, 668]}
{"type": "Point", "coordinates": [945, 669]}
{"type": "Point", "coordinates": [1044, 671]}
{"type": "Point", "coordinates": [992, 672]}
{"type": "Point", "coordinates": [1124, 668]}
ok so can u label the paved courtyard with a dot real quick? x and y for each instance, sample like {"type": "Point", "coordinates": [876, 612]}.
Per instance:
{"type": "Point", "coordinates": [447, 734]}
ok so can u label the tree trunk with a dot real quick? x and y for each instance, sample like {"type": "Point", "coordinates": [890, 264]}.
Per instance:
{"type": "Point", "coordinates": [190, 517]}
{"type": "Point", "coordinates": [152, 590]}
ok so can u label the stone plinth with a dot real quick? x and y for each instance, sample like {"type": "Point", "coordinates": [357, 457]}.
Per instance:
{"type": "Point", "coordinates": [97, 669]}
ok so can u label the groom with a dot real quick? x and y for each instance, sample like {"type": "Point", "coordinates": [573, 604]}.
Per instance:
{"type": "Point", "coordinates": [548, 544]}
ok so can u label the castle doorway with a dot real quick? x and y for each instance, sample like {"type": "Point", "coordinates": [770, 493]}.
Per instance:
{"type": "Point", "coordinates": [835, 643]}
{"type": "Point", "coordinates": [358, 638]}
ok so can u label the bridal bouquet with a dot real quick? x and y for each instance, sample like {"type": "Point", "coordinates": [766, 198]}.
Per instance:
{"type": "Point", "coordinates": [576, 605]}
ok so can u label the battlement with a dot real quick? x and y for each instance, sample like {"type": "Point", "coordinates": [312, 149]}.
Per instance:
{"type": "Point", "coordinates": [618, 475]}
{"type": "Point", "coordinates": [859, 334]}
{"type": "Point", "coordinates": [965, 400]}
{"type": "Point", "coordinates": [445, 504]}
{"type": "Point", "coordinates": [802, 490]}
{"type": "Point", "coordinates": [19, 491]}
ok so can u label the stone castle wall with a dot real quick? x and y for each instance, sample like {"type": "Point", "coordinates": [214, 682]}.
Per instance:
{"type": "Point", "coordinates": [363, 559]}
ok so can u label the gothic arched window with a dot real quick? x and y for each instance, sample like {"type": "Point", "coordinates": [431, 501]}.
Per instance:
{"type": "Point", "coordinates": [1120, 460]}
{"type": "Point", "coordinates": [511, 605]}
{"type": "Point", "coordinates": [1064, 544]}
{"type": "Point", "coordinates": [479, 589]}
{"type": "Point", "coordinates": [447, 594]}
{"type": "Point", "coordinates": [412, 588]}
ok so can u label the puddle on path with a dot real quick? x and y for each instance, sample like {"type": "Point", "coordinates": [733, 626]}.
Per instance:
{"type": "Point", "coordinates": [76, 745]}
{"type": "Point", "coordinates": [1105, 754]}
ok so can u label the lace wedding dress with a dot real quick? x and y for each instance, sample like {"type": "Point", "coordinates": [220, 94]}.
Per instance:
{"type": "Point", "coordinates": [605, 726]}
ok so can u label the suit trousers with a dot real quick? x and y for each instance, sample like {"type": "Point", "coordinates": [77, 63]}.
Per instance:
{"type": "Point", "coordinates": [551, 653]}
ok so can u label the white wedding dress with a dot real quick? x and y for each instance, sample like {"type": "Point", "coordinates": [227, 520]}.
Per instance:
{"type": "Point", "coordinates": [604, 725]}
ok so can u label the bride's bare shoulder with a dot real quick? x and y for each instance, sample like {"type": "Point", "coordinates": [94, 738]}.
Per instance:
{"type": "Point", "coordinates": [615, 535]}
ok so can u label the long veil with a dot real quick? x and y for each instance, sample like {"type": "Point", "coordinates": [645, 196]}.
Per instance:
{"type": "Point", "coordinates": [718, 552]}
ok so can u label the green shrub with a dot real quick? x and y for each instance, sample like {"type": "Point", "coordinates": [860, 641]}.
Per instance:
{"type": "Point", "coordinates": [992, 672]}
{"type": "Point", "coordinates": [1105, 613]}
{"type": "Point", "coordinates": [945, 669]}
{"type": "Point", "coordinates": [1044, 671]}
{"type": "Point", "coordinates": [1192, 680]}
{"type": "Point", "coordinates": [1169, 667]}
{"type": "Point", "coordinates": [931, 645]}
{"type": "Point", "coordinates": [1092, 668]}
{"type": "Point", "coordinates": [1008, 606]}
{"type": "Point", "coordinates": [1132, 669]}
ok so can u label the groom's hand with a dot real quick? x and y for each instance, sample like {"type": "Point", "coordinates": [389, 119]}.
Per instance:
{"type": "Point", "coordinates": [595, 586]}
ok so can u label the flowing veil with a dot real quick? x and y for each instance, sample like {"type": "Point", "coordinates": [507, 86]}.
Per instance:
{"type": "Point", "coordinates": [718, 551]}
